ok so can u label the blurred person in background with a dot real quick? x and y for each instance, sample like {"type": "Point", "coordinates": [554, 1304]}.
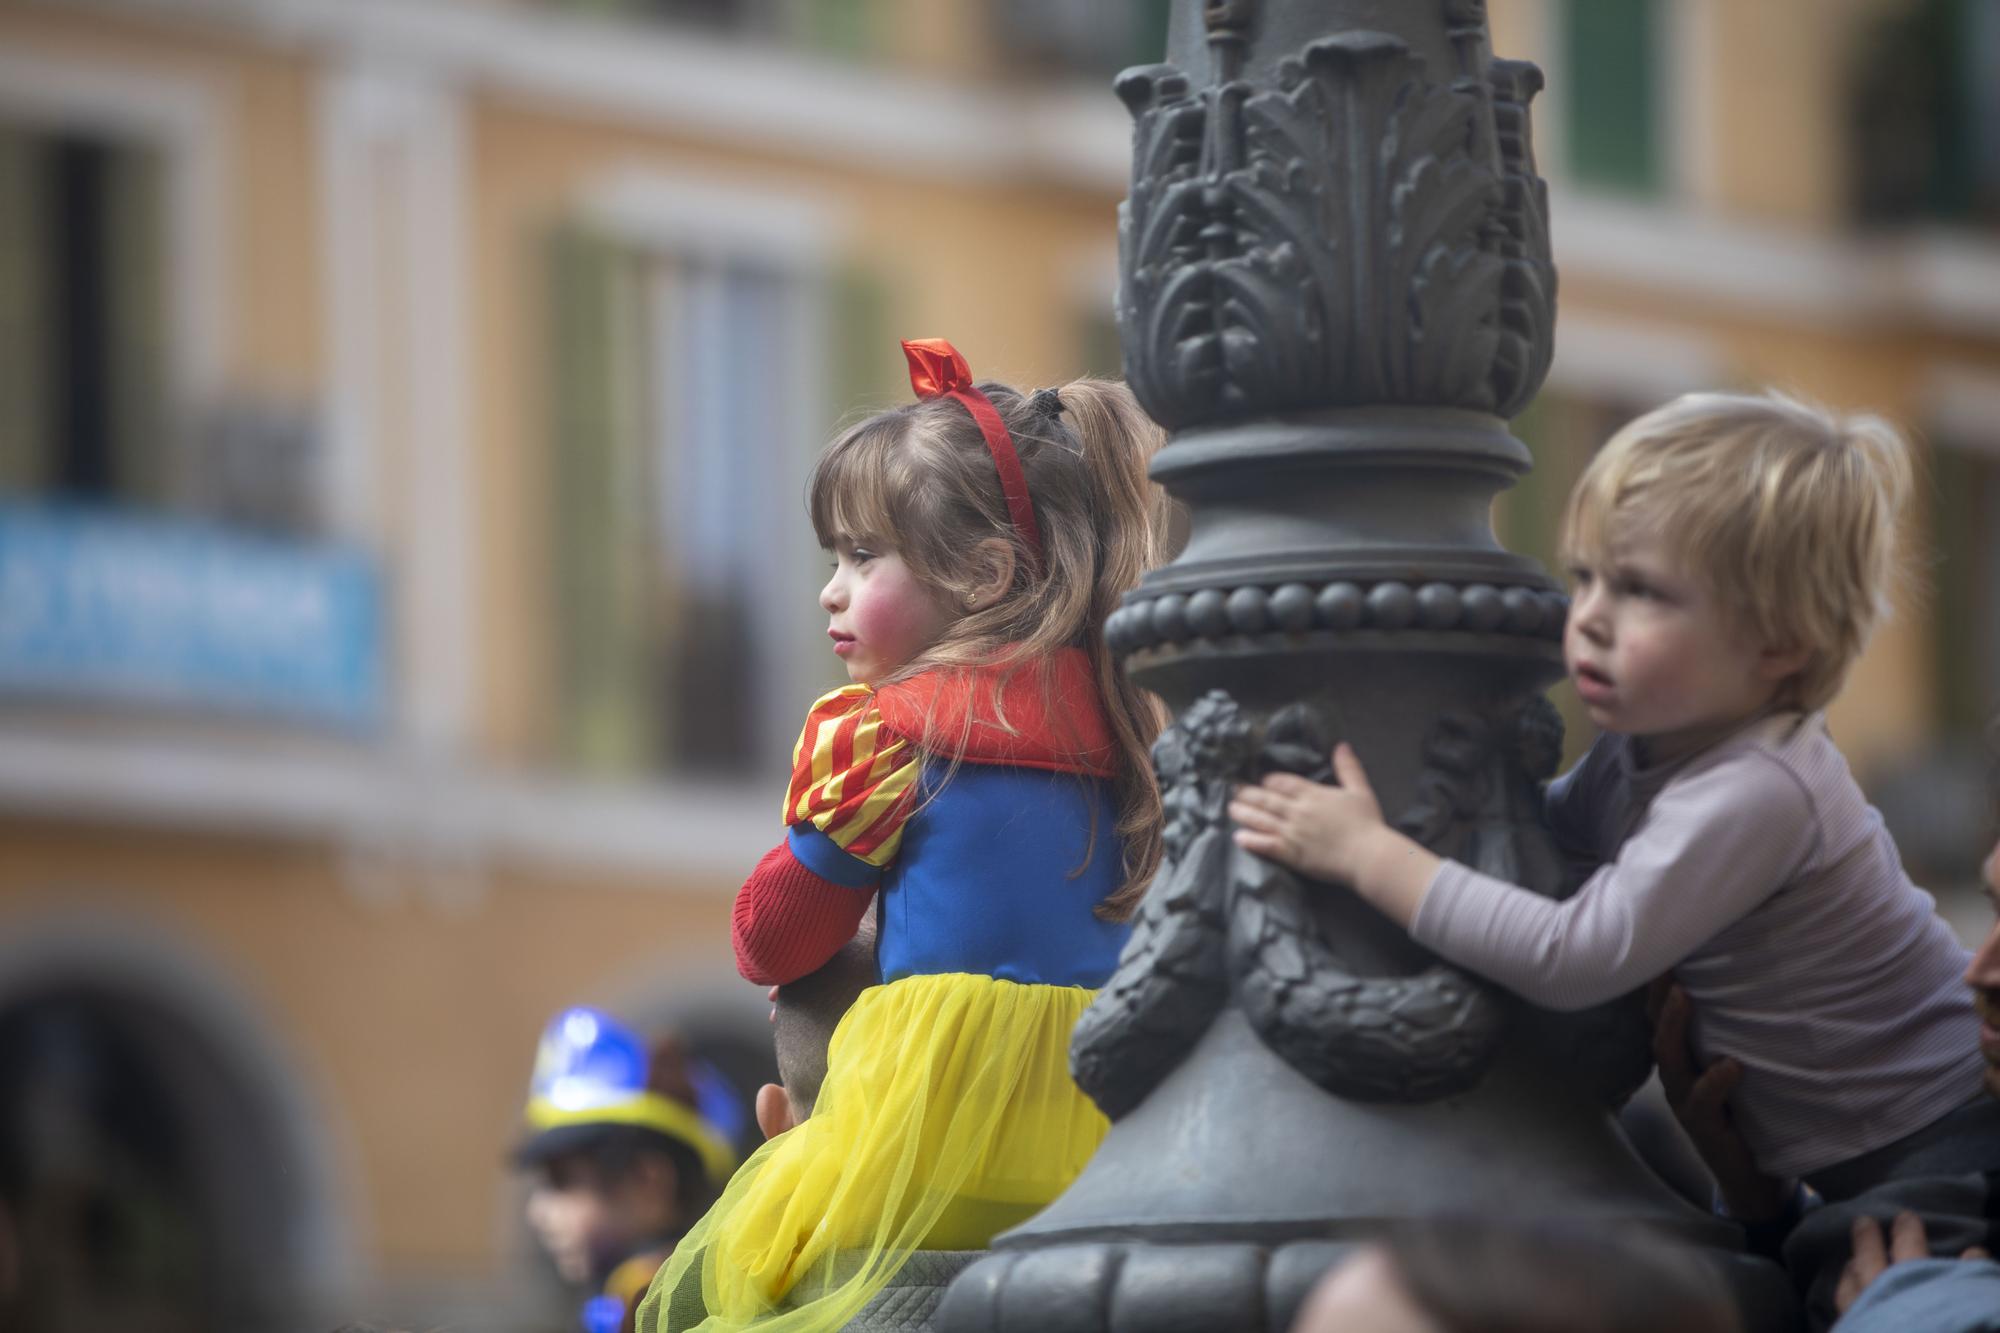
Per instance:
{"type": "Point", "coordinates": [625, 1152]}
{"type": "Point", "coordinates": [1484, 1277]}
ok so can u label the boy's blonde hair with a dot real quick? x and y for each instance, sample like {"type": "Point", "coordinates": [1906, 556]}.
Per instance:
{"type": "Point", "coordinates": [1785, 510]}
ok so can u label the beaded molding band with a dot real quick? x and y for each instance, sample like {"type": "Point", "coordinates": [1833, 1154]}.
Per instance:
{"type": "Point", "coordinates": [1296, 608]}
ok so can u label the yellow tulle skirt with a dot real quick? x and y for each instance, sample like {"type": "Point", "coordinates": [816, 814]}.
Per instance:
{"type": "Point", "coordinates": [947, 1115]}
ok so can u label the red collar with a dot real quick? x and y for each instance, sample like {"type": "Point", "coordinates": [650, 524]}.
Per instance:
{"type": "Point", "coordinates": [1063, 729]}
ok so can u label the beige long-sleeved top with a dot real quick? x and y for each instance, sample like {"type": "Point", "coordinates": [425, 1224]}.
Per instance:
{"type": "Point", "coordinates": [1758, 873]}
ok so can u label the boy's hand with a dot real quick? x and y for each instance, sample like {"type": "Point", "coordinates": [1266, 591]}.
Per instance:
{"type": "Point", "coordinates": [1334, 832]}
{"type": "Point", "coordinates": [1307, 825]}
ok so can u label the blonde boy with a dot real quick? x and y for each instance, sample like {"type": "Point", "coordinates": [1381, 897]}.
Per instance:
{"type": "Point", "coordinates": [1729, 556]}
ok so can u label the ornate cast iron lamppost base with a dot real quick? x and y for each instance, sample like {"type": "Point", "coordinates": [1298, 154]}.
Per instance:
{"type": "Point", "coordinates": [1336, 287]}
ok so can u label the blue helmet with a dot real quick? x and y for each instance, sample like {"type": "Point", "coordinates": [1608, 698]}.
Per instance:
{"type": "Point", "coordinates": [593, 1072]}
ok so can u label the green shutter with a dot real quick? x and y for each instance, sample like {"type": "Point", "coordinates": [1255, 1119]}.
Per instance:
{"type": "Point", "coordinates": [1964, 551]}
{"type": "Point", "coordinates": [1561, 432]}
{"type": "Point", "coordinates": [135, 325]}
{"type": "Point", "coordinates": [845, 28]}
{"type": "Point", "coordinates": [24, 328]}
{"type": "Point", "coordinates": [1149, 31]}
{"type": "Point", "coordinates": [1610, 63]}
{"type": "Point", "coordinates": [1098, 350]}
{"type": "Point", "coordinates": [1527, 515]}
{"type": "Point", "coordinates": [601, 623]}
{"type": "Point", "coordinates": [865, 374]}
{"type": "Point", "coordinates": [868, 373]}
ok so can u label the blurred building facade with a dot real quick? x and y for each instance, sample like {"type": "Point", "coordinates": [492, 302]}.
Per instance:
{"type": "Point", "coordinates": [405, 598]}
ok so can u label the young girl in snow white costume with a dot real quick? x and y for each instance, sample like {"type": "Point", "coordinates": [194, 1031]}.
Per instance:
{"type": "Point", "coordinates": [986, 775]}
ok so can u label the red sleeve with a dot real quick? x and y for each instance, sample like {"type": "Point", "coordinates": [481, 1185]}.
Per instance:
{"type": "Point", "coordinates": [788, 921]}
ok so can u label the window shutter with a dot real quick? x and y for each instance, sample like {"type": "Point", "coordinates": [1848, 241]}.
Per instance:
{"type": "Point", "coordinates": [1612, 66]}
{"type": "Point", "coordinates": [25, 445]}
{"type": "Point", "coordinates": [600, 622]}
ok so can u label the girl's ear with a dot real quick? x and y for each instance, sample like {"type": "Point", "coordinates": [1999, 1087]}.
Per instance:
{"type": "Point", "coordinates": [992, 569]}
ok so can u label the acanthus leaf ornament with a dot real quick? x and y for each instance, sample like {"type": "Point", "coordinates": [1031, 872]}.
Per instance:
{"type": "Point", "coordinates": [1358, 234]}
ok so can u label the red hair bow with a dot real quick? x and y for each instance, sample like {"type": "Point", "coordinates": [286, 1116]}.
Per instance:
{"type": "Point", "coordinates": [937, 370]}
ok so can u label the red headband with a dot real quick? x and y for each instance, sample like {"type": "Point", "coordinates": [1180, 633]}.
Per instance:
{"type": "Point", "coordinates": [938, 371]}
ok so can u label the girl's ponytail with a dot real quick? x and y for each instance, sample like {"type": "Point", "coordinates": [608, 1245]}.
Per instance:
{"type": "Point", "coordinates": [1118, 442]}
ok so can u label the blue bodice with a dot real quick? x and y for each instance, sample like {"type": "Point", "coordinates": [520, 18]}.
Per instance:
{"type": "Point", "coordinates": [998, 874]}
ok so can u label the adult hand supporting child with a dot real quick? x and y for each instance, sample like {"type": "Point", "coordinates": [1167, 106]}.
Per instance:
{"type": "Point", "coordinates": [1699, 1099]}
{"type": "Point", "coordinates": [1335, 832]}
{"type": "Point", "coordinates": [1907, 1243]}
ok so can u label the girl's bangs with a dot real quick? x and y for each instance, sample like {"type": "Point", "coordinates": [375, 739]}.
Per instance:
{"type": "Point", "coordinates": [850, 488]}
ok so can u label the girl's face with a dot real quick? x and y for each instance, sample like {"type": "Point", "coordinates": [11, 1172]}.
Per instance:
{"type": "Point", "coordinates": [1653, 654]}
{"type": "Point", "coordinates": [879, 616]}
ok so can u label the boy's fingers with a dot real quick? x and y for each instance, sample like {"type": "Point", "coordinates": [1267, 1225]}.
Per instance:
{"type": "Point", "coordinates": [1263, 844]}
{"type": "Point", "coordinates": [1250, 817]}
{"type": "Point", "coordinates": [1347, 767]}
{"type": "Point", "coordinates": [1257, 797]}
{"type": "Point", "coordinates": [1283, 784]}
{"type": "Point", "coordinates": [1907, 1239]}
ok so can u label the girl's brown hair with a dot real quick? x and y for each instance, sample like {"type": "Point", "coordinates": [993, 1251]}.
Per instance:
{"type": "Point", "coordinates": [920, 480]}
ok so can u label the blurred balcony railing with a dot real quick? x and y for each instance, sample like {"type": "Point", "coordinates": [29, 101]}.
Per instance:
{"type": "Point", "coordinates": [113, 606]}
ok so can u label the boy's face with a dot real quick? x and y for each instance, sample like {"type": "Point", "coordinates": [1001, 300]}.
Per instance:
{"type": "Point", "coordinates": [588, 1222]}
{"type": "Point", "coordinates": [1983, 975]}
{"type": "Point", "coordinates": [1653, 653]}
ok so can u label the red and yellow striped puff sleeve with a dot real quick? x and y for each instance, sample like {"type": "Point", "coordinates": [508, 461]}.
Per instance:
{"type": "Point", "coordinates": [852, 779]}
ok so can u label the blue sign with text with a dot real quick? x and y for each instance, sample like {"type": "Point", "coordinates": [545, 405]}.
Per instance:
{"type": "Point", "coordinates": [103, 604]}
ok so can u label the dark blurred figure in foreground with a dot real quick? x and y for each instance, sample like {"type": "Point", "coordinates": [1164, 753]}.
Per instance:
{"type": "Point", "coordinates": [623, 1155]}
{"type": "Point", "coordinates": [1484, 1277]}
